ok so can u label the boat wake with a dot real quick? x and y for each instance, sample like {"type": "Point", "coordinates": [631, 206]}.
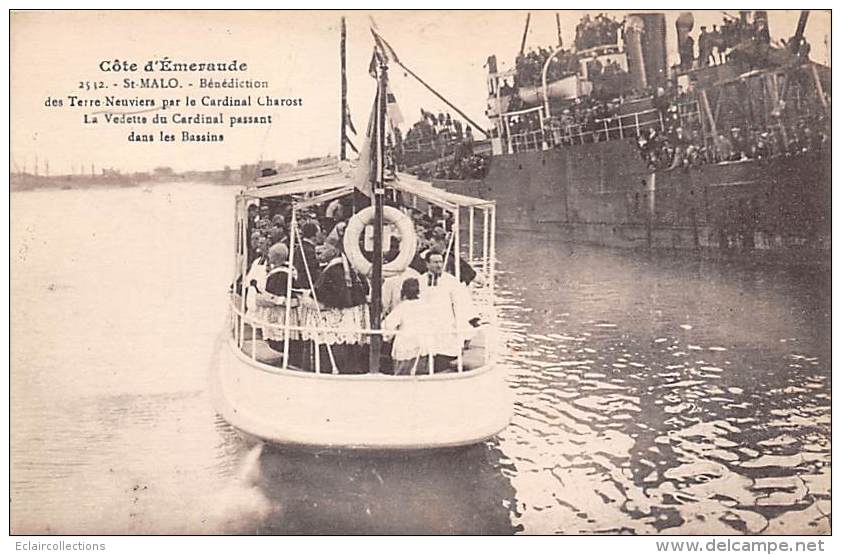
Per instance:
{"type": "Point", "coordinates": [241, 506]}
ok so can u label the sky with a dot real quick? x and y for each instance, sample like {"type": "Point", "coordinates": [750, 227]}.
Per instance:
{"type": "Point", "coordinates": [297, 52]}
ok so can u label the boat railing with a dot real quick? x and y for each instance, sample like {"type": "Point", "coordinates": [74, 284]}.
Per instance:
{"type": "Point", "coordinates": [299, 316]}
{"type": "Point", "coordinates": [249, 332]}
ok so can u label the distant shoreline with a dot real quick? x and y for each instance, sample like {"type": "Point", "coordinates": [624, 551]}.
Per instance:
{"type": "Point", "coordinates": [28, 182]}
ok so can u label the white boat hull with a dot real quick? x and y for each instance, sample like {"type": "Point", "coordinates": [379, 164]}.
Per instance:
{"type": "Point", "coordinates": [377, 412]}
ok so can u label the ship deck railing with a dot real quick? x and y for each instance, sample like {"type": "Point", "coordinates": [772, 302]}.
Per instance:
{"type": "Point", "coordinates": [623, 126]}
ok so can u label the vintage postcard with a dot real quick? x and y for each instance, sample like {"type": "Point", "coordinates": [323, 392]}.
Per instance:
{"type": "Point", "coordinates": [421, 272]}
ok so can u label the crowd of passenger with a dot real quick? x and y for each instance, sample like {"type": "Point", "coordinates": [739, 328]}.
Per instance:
{"type": "Point", "coordinates": [529, 67]}
{"type": "Point", "coordinates": [672, 135]}
{"type": "Point", "coordinates": [713, 45]}
{"type": "Point", "coordinates": [598, 31]}
{"type": "Point", "coordinates": [681, 143]}
{"type": "Point", "coordinates": [579, 122]}
{"type": "Point", "coordinates": [527, 122]}
{"type": "Point", "coordinates": [426, 309]}
{"type": "Point", "coordinates": [436, 131]}
{"type": "Point", "coordinates": [471, 166]}
{"type": "Point", "coordinates": [719, 44]}
{"type": "Point", "coordinates": [444, 138]}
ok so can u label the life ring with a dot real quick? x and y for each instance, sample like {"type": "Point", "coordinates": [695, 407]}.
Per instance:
{"type": "Point", "coordinates": [408, 240]}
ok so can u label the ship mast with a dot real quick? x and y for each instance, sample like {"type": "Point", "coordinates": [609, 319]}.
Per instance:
{"type": "Point", "coordinates": [525, 34]}
{"type": "Point", "coordinates": [378, 189]}
{"type": "Point", "coordinates": [794, 43]}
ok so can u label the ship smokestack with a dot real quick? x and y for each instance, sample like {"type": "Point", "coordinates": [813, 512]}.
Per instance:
{"type": "Point", "coordinates": [634, 28]}
{"type": "Point", "coordinates": [645, 37]}
{"type": "Point", "coordinates": [685, 45]}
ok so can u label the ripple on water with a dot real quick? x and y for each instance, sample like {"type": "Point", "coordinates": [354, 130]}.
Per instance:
{"type": "Point", "coordinates": [629, 432]}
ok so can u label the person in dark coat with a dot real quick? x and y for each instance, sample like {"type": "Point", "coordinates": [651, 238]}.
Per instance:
{"type": "Point", "coordinates": [306, 262]}
{"type": "Point", "coordinates": [340, 285]}
{"type": "Point", "coordinates": [342, 295]}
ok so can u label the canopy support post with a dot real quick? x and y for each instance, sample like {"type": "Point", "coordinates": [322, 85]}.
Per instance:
{"type": "Point", "coordinates": [243, 285]}
{"type": "Point", "coordinates": [457, 247]}
{"type": "Point", "coordinates": [493, 248]}
{"type": "Point", "coordinates": [470, 234]}
{"type": "Point", "coordinates": [293, 226]}
{"type": "Point", "coordinates": [485, 242]}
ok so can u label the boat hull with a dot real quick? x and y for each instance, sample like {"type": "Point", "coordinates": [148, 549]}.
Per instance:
{"type": "Point", "coordinates": [368, 412]}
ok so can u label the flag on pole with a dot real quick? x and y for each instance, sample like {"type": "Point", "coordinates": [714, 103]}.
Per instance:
{"type": "Point", "coordinates": [394, 114]}
{"type": "Point", "coordinates": [385, 48]}
{"type": "Point", "coordinates": [373, 156]}
{"type": "Point", "coordinates": [364, 169]}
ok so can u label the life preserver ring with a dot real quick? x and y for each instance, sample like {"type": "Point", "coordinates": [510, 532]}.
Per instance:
{"type": "Point", "coordinates": [408, 240]}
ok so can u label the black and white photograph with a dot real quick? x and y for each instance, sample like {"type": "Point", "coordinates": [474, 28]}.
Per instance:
{"type": "Point", "coordinates": [425, 272]}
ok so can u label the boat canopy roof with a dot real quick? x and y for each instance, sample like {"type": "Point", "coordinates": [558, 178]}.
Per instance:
{"type": "Point", "coordinates": [337, 180]}
{"type": "Point", "coordinates": [425, 190]}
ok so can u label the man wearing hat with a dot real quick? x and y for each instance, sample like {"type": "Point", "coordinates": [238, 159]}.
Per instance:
{"type": "Point", "coordinates": [704, 47]}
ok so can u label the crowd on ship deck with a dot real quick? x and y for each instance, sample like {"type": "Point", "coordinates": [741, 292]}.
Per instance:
{"type": "Point", "coordinates": [441, 133]}
{"type": "Point", "coordinates": [681, 143]}
{"type": "Point", "coordinates": [714, 45]}
{"type": "Point", "coordinates": [330, 298]}
{"type": "Point", "coordinates": [675, 137]}
{"type": "Point", "coordinates": [596, 31]}
{"type": "Point", "coordinates": [467, 166]}
{"type": "Point", "coordinates": [529, 67]}
{"type": "Point", "coordinates": [719, 44]}
{"type": "Point", "coordinates": [671, 135]}
{"type": "Point", "coordinates": [580, 121]}
{"type": "Point", "coordinates": [444, 138]}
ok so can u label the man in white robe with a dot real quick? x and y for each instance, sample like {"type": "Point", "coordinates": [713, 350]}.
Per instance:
{"type": "Point", "coordinates": [449, 302]}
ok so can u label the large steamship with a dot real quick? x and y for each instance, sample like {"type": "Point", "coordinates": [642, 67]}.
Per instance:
{"type": "Point", "coordinates": [749, 169]}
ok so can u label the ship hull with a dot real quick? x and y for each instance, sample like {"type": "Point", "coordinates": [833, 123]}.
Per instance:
{"type": "Point", "coordinates": [603, 194]}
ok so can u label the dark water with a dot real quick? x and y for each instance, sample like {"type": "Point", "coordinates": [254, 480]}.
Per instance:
{"type": "Point", "coordinates": [654, 393]}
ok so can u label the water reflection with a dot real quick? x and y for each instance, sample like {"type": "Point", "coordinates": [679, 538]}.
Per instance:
{"type": "Point", "coordinates": [460, 491]}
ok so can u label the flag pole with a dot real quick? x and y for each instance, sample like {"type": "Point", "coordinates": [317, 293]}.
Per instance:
{"type": "Point", "coordinates": [378, 188]}
{"type": "Point", "coordinates": [343, 56]}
